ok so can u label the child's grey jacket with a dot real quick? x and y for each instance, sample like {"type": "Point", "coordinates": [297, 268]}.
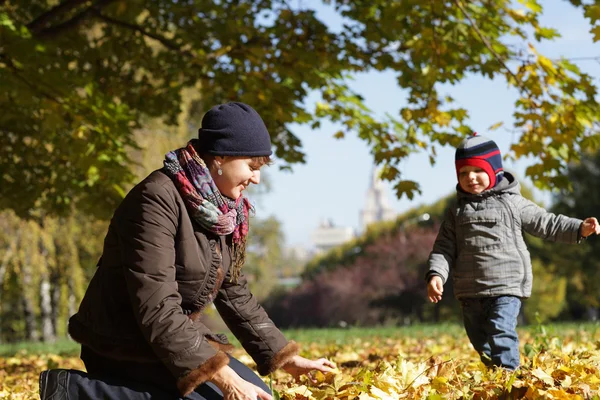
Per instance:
{"type": "Point", "coordinates": [481, 241]}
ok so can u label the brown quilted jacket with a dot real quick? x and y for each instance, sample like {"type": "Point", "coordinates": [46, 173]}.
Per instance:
{"type": "Point", "coordinates": [158, 271]}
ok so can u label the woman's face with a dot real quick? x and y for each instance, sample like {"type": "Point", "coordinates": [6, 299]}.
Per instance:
{"type": "Point", "coordinates": [238, 174]}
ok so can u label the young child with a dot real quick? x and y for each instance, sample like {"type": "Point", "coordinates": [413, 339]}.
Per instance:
{"type": "Point", "coordinates": [481, 241]}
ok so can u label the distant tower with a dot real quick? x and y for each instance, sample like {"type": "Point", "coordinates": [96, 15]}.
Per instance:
{"type": "Point", "coordinates": [377, 207]}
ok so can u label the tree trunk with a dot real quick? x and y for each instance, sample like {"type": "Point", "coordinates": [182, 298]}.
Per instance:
{"type": "Point", "coordinates": [46, 306]}
{"type": "Point", "coordinates": [55, 280]}
{"type": "Point", "coordinates": [31, 332]}
{"type": "Point", "coordinates": [48, 331]}
{"type": "Point", "coordinates": [72, 299]}
{"type": "Point", "coordinates": [5, 260]}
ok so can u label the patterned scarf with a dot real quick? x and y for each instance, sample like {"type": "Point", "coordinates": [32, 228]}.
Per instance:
{"type": "Point", "coordinates": [204, 202]}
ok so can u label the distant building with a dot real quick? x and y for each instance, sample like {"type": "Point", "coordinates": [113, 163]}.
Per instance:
{"type": "Point", "coordinates": [327, 235]}
{"type": "Point", "coordinates": [377, 207]}
{"type": "Point", "coordinates": [299, 253]}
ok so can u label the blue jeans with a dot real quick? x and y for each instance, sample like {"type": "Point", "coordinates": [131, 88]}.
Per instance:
{"type": "Point", "coordinates": [491, 324]}
{"type": "Point", "coordinates": [118, 380]}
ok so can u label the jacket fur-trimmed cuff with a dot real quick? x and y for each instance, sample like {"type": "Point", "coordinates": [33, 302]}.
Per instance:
{"type": "Point", "coordinates": [203, 373]}
{"type": "Point", "coordinates": [280, 359]}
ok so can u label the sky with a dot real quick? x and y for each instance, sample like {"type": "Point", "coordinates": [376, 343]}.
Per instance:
{"type": "Point", "coordinates": [333, 183]}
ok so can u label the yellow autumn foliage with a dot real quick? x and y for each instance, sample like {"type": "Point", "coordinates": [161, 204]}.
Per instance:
{"type": "Point", "coordinates": [564, 366]}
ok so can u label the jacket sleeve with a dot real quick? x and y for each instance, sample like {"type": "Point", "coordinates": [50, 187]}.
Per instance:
{"type": "Point", "coordinates": [554, 227]}
{"type": "Point", "coordinates": [251, 325]}
{"type": "Point", "coordinates": [147, 229]}
{"type": "Point", "coordinates": [442, 257]}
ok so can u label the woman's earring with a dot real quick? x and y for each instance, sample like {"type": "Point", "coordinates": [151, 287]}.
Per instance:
{"type": "Point", "coordinates": [220, 171]}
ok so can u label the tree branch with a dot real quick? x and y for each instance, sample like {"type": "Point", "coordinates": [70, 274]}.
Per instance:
{"type": "Point", "coordinates": [66, 6]}
{"type": "Point", "coordinates": [52, 31]}
{"type": "Point", "coordinates": [486, 42]}
{"type": "Point", "coordinates": [434, 42]}
{"type": "Point", "coordinates": [15, 131]}
{"type": "Point", "coordinates": [164, 41]}
{"type": "Point", "coordinates": [17, 74]}
{"type": "Point", "coordinates": [596, 58]}
{"type": "Point", "coordinates": [435, 47]}
{"type": "Point", "coordinates": [8, 255]}
{"type": "Point", "coordinates": [161, 39]}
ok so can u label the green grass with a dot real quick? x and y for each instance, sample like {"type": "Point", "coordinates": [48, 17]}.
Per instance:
{"type": "Point", "coordinates": [64, 347]}
{"type": "Point", "coordinates": [341, 335]}
{"type": "Point", "coordinates": [563, 328]}
{"type": "Point", "coordinates": [67, 347]}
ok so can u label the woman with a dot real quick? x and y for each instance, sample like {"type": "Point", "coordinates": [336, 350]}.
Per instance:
{"type": "Point", "coordinates": [174, 245]}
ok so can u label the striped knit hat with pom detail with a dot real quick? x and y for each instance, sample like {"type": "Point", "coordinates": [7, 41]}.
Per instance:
{"type": "Point", "coordinates": [478, 151]}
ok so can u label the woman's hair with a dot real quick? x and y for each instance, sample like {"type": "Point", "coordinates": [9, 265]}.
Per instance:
{"type": "Point", "coordinates": [262, 160]}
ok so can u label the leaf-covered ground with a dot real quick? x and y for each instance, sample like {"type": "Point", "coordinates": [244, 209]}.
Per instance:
{"type": "Point", "coordinates": [565, 365]}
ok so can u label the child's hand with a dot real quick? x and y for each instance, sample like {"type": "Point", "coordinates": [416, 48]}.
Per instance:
{"type": "Point", "coordinates": [435, 288]}
{"type": "Point", "coordinates": [589, 226]}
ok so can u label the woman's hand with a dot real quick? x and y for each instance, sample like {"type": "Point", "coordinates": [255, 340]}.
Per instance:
{"type": "Point", "coordinates": [299, 366]}
{"type": "Point", "coordinates": [236, 388]}
{"type": "Point", "coordinates": [589, 226]}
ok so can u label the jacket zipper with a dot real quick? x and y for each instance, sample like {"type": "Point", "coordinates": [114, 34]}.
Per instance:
{"type": "Point", "coordinates": [512, 219]}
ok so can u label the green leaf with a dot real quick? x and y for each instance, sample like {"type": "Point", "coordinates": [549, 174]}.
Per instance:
{"type": "Point", "coordinates": [591, 142]}
{"type": "Point", "coordinates": [276, 395]}
{"type": "Point", "coordinates": [546, 33]}
{"type": "Point", "coordinates": [593, 13]}
{"type": "Point", "coordinates": [533, 5]}
{"type": "Point", "coordinates": [495, 126]}
{"type": "Point", "coordinates": [408, 188]}
{"type": "Point", "coordinates": [6, 21]}
{"type": "Point", "coordinates": [120, 191]}
{"type": "Point", "coordinates": [596, 32]}
{"type": "Point", "coordinates": [92, 175]}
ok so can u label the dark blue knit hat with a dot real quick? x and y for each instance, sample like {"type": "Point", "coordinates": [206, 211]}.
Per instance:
{"type": "Point", "coordinates": [234, 129]}
{"type": "Point", "coordinates": [481, 152]}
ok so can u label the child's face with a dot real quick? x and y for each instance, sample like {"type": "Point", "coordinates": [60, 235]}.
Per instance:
{"type": "Point", "coordinates": [472, 179]}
